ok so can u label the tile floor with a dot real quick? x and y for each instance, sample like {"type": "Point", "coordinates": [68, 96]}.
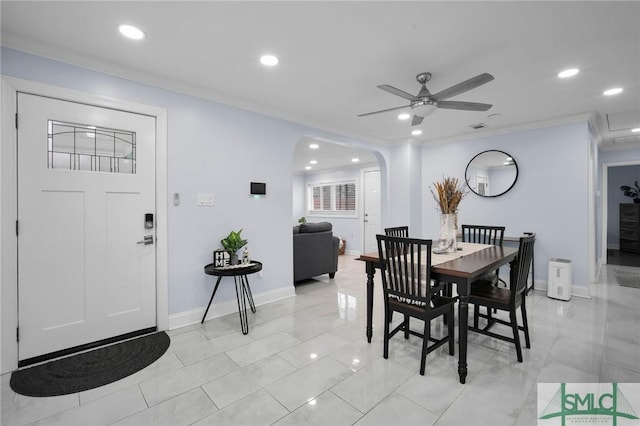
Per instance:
{"type": "Point", "coordinates": [306, 361]}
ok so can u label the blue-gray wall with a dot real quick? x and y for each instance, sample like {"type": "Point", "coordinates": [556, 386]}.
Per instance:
{"type": "Point", "coordinates": [550, 197]}
{"type": "Point", "coordinates": [212, 148]}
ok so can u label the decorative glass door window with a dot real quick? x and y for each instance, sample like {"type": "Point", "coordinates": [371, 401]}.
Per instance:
{"type": "Point", "coordinates": [90, 148]}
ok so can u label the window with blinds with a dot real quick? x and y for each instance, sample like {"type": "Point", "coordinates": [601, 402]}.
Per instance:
{"type": "Point", "coordinates": [333, 198]}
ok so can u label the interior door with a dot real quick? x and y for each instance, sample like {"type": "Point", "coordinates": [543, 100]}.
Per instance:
{"type": "Point", "coordinates": [86, 219]}
{"type": "Point", "coordinates": [371, 210]}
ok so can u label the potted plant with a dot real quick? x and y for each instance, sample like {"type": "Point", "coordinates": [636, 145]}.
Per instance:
{"type": "Point", "coordinates": [632, 192]}
{"type": "Point", "coordinates": [232, 243]}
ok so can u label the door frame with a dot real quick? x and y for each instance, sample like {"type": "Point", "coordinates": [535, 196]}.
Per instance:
{"type": "Point", "coordinates": [604, 215]}
{"type": "Point", "coordinates": [362, 179]}
{"type": "Point", "coordinates": [10, 87]}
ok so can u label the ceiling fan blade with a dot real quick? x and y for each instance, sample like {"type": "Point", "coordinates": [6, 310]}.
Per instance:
{"type": "Point", "coordinates": [383, 110]}
{"type": "Point", "coordinates": [466, 85]}
{"type": "Point", "coordinates": [416, 120]}
{"type": "Point", "coordinates": [467, 106]}
{"type": "Point", "coordinates": [398, 92]}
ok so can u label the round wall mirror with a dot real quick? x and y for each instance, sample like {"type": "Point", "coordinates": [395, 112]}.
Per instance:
{"type": "Point", "coordinates": [491, 173]}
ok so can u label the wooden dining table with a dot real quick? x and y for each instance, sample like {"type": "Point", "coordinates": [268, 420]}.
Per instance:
{"type": "Point", "coordinates": [461, 271]}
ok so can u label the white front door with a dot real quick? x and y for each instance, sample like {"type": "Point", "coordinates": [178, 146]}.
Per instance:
{"type": "Point", "coordinates": [86, 196]}
{"type": "Point", "coordinates": [371, 210]}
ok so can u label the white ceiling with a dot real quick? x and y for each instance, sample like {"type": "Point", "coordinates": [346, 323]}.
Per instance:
{"type": "Point", "coordinates": [334, 54]}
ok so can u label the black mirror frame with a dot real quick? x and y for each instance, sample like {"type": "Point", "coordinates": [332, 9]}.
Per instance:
{"type": "Point", "coordinates": [503, 192]}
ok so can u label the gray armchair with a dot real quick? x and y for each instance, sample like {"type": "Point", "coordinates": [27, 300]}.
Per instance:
{"type": "Point", "coordinates": [315, 250]}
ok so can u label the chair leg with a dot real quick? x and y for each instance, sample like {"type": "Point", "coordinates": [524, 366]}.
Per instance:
{"type": "Point", "coordinates": [387, 315]}
{"type": "Point", "coordinates": [425, 343]}
{"type": "Point", "coordinates": [450, 324]}
{"type": "Point", "coordinates": [525, 324]}
{"type": "Point", "coordinates": [490, 316]}
{"type": "Point", "coordinates": [516, 334]}
{"type": "Point", "coordinates": [406, 326]}
{"type": "Point", "coordinates": [476, 316]}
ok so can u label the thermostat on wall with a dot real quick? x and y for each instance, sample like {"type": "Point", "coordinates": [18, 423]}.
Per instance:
{"type": "Point", "coordinates": [258, 188]}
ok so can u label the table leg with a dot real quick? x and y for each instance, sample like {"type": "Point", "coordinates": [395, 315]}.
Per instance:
{"type": "Point", "coordinates": [463, 314]}
{"type": "Point", "coordinates": [371, 271]}
{"type": "Point", "coordinates": [242, 305]}
{"type": "Point", "coordinates": [211, 300]}
{"type": "Point", "coordinates": [247, 292]}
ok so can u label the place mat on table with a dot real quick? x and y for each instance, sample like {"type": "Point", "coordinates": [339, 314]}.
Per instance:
{"type": "Point", "coordinates": [467, 248]}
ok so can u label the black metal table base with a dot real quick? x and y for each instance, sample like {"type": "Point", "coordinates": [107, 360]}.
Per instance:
{"type": "Point", "coordinates": [243, 291]}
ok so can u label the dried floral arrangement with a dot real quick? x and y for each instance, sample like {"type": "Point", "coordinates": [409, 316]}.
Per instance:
{"type": "Point", "coordinates": [448, 194]}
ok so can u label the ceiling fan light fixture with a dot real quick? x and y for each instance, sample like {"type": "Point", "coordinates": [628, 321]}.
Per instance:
{"type": "Point", "coordinates": [568, 73]}
{"type": "Point", "coordinates": [314, 146]}
{"type": "Point", "coordinates": [424, 110]}
{"type": "Point", "coordinates": [611, 92]}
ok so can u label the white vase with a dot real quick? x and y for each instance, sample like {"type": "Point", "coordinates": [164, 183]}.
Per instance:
{"type": "Point", "coordinates": [448, 241]}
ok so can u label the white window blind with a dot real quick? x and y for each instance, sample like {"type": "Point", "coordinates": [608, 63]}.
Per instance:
{"type": "Point", "coordinates": [333, 198]}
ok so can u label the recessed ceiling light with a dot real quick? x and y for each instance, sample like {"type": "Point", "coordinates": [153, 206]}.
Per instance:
{"type": "Point", "coordinates": [269, 60]}
{"type": "Point", "coordinates": [416, 132]}
{"type": "Point", "coordinates": [131, 32]}
{"type": "Point", "coordinates": [313, 162]}
{"type": "Point", "coordinates": [355, 160]}
{"type": "Point", "coordinates": [307, 167]}
{"type": "Point", "coordinates": [314, 146]}
{"type": "Point", "coordinates": [636, 130]}
{"type": "Point", "coordinates": [404, 116]}
{"type": "Point", "coordinates": [613, 91]}
{"type": "Point", "coordinates": [568, 73]}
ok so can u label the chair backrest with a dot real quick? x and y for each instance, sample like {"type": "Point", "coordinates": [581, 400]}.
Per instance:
{"type": "Point", "coordinates": [406, 269]}
{"type": "Point", "coordinates": [398, 231]}
{"type": "Point", "coordinates": [482, 234]}
{"type": "Point", "coordinates": [521, 266]}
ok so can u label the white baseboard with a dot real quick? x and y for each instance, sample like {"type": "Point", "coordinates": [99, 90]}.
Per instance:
{"type": "Point", "coordinates": [194, 316]}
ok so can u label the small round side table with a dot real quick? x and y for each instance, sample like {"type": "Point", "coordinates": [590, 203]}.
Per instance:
{"type": "Point", "coordinates": [243, 290]}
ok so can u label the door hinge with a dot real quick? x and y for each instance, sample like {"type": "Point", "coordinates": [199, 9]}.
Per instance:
{"type": "Point", "coordinates": [17, 334]}
{"type": "Point", "coordinates": [16, 120]}
{"type": "Point", "coordinates": [16, 228]}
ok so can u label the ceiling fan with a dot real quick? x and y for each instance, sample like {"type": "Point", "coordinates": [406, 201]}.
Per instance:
{"type": "Point", "coordinates": [424, 103]}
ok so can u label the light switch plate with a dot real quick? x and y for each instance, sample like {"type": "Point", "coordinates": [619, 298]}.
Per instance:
{"type": "Point", "coordinates": [205, 199]}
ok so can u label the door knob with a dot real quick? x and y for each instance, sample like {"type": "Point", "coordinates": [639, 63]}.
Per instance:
{"type": "Point", "coordinates": [148, 239]}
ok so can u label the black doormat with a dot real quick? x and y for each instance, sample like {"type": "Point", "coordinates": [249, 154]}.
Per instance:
{"type": "Point", "coordinates": [628, 278]}
{"type": "Point", "coordinates": [90, 369]}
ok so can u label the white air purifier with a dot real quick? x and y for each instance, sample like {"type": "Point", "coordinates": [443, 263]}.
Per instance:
{"type": "Point", "coordinates": [560, 279]}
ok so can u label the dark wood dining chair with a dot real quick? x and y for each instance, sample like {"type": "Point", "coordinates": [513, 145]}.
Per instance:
{"type": "Point", "coordinates": [484, 234]}
{"type": "Point", "coordinates": [406, 279]}
{"type": "Point", "coordinates": [484, 293]}
{"type": "Point", "coordinates": [398, 231]}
